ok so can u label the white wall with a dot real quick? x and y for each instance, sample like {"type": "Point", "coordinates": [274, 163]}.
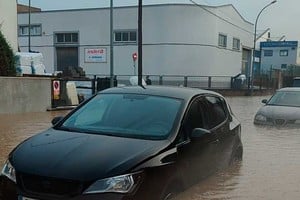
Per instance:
{"type": "Point", "coordinates": [229, 60]}
{"type": "Point", "coordinates": [178, 39]}
{"type": "Point", "coordinates": [8, 22]}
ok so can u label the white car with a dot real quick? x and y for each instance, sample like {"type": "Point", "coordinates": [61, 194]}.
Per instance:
{"type": "Point", "coordinates": [282, 109]}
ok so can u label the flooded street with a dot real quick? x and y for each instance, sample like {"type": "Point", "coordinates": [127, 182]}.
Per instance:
{"type": "Point", "coordinates": [269, 170]}
{"type": "Point", "coordinates": [270, 166]}
{"type": "Point", "coordinates": [15, 128]}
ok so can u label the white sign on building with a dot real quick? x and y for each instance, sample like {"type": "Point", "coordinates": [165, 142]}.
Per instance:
{"type": "Point", "coordinates": [95, 55]}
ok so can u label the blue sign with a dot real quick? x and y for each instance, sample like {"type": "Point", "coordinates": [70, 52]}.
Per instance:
{"type": "Point", "coordinates": [279, 44]}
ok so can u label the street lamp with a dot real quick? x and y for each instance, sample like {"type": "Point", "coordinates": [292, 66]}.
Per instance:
{"type": "Point", "coordinates": [250, 82]}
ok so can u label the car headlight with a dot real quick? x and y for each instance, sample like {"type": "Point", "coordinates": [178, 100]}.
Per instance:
{"type": "Point", "coordinates": [261, 118]}
{"type": "Point", "coordinates": [118, 184]}
{"type": "Point", "coordinates": [9, 171]}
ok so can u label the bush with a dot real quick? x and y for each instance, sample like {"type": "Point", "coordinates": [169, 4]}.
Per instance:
{"type": "Point", "coordinates": [7, 58]}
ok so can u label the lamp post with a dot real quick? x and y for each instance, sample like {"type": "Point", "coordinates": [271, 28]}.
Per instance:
{"type": "Point", "coordinates": [251, 74]}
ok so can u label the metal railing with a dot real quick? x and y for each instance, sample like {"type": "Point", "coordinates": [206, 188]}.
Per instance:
{"type": "Point", "coordinates": [205, 82]}
{"type": "Point", "coordinates": [91, 84]}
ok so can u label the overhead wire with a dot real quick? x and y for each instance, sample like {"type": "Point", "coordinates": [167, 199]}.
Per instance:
{"type": "Point", "coordinates": [223, 19]}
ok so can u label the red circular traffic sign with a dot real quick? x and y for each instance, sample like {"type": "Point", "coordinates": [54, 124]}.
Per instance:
{"type": "Point", "coordinates": [134, 56]}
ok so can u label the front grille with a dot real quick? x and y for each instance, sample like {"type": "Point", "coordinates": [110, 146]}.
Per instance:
{"type": "Point", "coordinates": [50, 186]}
{"type": "Point", "coordinates": [279, 122]}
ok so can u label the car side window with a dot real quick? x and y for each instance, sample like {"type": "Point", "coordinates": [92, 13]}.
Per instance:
{"type": "Point", "coordinates": [204, 112]}
{"type": "Point", "coordinates": [214, 111]}
{"type": "Point", "coordinates": [194, 117]}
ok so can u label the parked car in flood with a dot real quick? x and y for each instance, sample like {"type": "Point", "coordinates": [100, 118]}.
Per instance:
{"type": "Point", "coordinates": [282, 109]}
{"type": "Point", "coordinates": [126, 143]}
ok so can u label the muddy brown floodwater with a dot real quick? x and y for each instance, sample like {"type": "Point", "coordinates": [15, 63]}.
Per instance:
{"type": "Point", "coordinates": [15, 128]}
{"type": "Point", "coordinates": [270, 169]}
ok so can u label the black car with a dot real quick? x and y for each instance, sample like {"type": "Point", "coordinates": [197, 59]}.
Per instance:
{"type": "Point", "coordinates": [126, 143]}
{"type": "Point", "coordinates": [281, 110]}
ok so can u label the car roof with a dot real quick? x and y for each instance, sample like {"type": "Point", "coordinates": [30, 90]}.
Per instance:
{"type": "Point", "coordinates": [167, 91]}
{"type": "Point", "coordinates": [290, 89]}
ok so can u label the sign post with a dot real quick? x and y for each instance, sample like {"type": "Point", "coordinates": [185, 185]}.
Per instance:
{"type": "Point", "coordinates": [56, 90]}
{"type": "Point", "coordinates": [134, 57]}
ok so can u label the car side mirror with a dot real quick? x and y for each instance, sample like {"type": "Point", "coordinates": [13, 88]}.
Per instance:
{"type": "Point", "coordinates": [199, 132]}
{"type": "Point", "coordinates": [264, 101]}
{"type": "Point", "coordinates": [55, 120]}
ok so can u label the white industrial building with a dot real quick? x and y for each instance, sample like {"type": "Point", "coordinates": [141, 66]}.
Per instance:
{"type": "Point", "coordinates": [178, 39]}
{"type": "Point", "coordinates": [8, 22]}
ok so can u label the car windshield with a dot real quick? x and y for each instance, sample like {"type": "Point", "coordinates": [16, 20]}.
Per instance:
{"type": "Point", "coordinates": [125, 115]}
{"type": "Point", "coordinates": [281, 98]}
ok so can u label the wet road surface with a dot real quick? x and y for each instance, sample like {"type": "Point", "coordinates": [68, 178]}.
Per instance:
{"type": "Point", "coordinates": [15, 128]}
{"type": "Point", "coordinates": [270, 168]}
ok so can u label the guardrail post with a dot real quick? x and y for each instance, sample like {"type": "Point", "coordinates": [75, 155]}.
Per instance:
{"type": "Point", "coordinates": [209, 82]}
{"type": "Point", "coordinates": [231, 82]}
{"type": "Point", "coordinates": [160, 80]}
{"type": "Point", "coordinates": [185, 81]}
{"type": "Point", "coordinates": [93, 82]}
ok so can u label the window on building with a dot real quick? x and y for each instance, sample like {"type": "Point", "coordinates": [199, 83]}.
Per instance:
{"type": "Point", "coordinates": [35, 30]}
{"type": "Point", "coordinates": [283, 52]}
{"type": "Point", "coordinates": [66, 38]}
{"type": "Point", "coordinates": [222, 40]}
{"type": "Point", "coordinates": [125, 36]}
{"type": "Point", "coordinates": [236, 44]}
{"type": "Point", "coordinates": [268, 53]}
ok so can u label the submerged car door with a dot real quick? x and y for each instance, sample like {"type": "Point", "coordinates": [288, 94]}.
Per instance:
{"type": "Point", "coordinates": [218, 122]}
{"type": "Point", "coordinates": [196, 155]}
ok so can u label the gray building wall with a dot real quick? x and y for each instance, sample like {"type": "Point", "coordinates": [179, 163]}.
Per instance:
{"type": "Point", "coordinates": [177, 39]}
{"type": "Point", "coordinates": [21, 95]}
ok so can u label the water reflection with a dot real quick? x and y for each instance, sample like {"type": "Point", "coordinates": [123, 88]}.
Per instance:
{"type": "Point", "coordinates": [269, 170]}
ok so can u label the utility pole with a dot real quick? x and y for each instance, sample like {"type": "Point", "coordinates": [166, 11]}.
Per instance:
{"type": "Point", "coordinates": [29, 26]}
{"type": "Point", "coordinates": [111, 45]}
{"type": "Point", "coordinates": [140, 42]}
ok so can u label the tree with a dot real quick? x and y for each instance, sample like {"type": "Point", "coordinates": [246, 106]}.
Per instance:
{"type": "Point", "coordinates": [7, 58]}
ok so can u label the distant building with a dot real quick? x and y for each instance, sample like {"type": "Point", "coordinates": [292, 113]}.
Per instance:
{"type": "Point", "coordinates": [279, 55]}
{"type": "Point", "coordinates": [8, 22]}
{"type": "Point", "coordinates": [261, 38]}
{"type": "Point", "coordinates": [178, 39]}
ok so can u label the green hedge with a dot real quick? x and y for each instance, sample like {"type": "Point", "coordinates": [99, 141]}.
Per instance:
{"type": "Point", "coordinates": [7, 58]}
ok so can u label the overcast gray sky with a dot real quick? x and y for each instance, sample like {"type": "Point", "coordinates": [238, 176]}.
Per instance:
{"type": "Point", "coordinates": [282, 17]}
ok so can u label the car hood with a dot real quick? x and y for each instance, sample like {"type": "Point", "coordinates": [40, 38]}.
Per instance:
{"type": "Point", "coordinates": [280, 112]}
{"type": "Point", "coordinates": [80, 156]}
